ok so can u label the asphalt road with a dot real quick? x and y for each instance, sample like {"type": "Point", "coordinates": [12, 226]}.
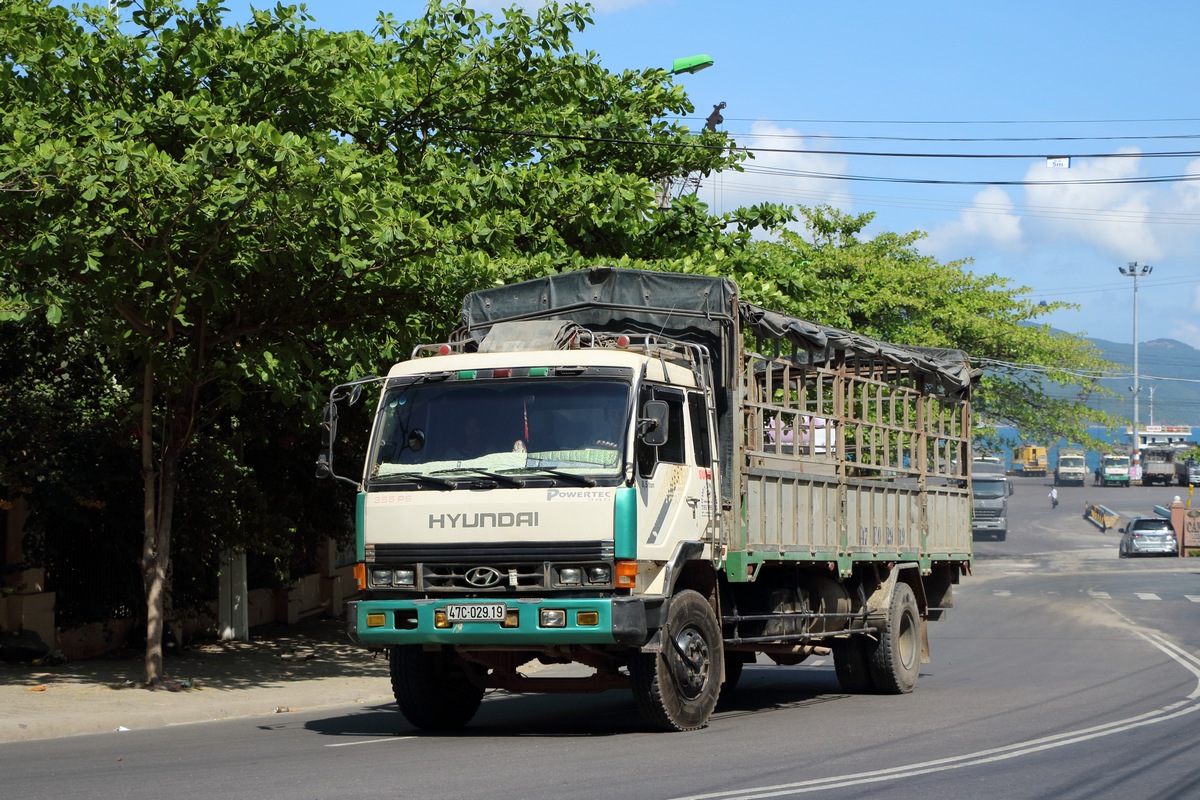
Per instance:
{"type": "Point", "coordinates": [1062, 672]}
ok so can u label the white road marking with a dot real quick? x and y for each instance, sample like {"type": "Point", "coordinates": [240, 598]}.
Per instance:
{"type": "Point", "coordinates": [1100, 595]}
{"type": "Point", "coordinates": [1147, 596]}
{"type": "Point", "coordinates": [1168, 712]}
{"type": "Point", "coordinates": [371, 741]}
{"type": "Point", "coordinates": [1195, 598]}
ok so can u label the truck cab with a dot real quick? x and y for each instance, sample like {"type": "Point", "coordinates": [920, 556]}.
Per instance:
{"type": "Point", "coordinates": [990, 490]}
{"type": "Point", "coordinates": [1114, 469]}
{"type": "Point", "coordinates": [1071, 468]}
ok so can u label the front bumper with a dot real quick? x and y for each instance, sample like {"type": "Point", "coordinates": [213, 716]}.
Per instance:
{"type": "Point", "coordinates": [625, 621]}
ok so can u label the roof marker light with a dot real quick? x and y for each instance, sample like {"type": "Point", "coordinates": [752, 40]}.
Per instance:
{"type": "Point", "coordinates": [444, 350]}
{"type": "Point", "coordinates": [622, 341]}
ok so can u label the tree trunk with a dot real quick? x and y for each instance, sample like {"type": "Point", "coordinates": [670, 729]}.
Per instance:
{"type": "Point", "coordinates": [157, 507]}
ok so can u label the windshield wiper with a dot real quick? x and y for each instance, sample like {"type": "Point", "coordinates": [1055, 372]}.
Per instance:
{"type": "Point", "coordinates": [416, 477]}
{"type": "Point", "coordinates": [581, 480]}
{"type": "Point", "coordinates": [496, 476]}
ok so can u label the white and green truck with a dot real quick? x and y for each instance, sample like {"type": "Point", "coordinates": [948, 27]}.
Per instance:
{"type": "Point", "coordinates": [1114, 469]}
{"type": "Point", "coordinates": [668, 481]}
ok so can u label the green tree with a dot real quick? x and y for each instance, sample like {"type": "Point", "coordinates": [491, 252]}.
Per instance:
{"type": "Point", "coordinates": [236, 209]}
{"type": "Point", "coordinates": [885, 288]}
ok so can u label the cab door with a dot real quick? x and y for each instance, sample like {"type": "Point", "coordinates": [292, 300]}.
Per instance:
{"type": "Point", "coordinates": [674, 493]}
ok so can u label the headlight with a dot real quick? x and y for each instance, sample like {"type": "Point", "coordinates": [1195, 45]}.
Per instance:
{"type": "Point", "coordinates": [599, 574]}
{"type": "Point", "coordinates": [381, 577]}
{"type": "Point", "coordinates": [570, 576]}
{"type": "Point", "coordinates": [406, 577]}
{"type": "Point", "coordinates": [552, 618]}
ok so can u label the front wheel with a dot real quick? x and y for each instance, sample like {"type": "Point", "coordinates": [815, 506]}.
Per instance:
{"type": "Point", "coordinates": [433, 689]}
{"type": "Point", "coordinates": [677, 688]}
{"type": "Point", "coordinates": [896, 656]}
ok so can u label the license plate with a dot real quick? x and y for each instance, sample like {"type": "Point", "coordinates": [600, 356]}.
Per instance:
{"type": "Point", "coordinates": [476, 612]}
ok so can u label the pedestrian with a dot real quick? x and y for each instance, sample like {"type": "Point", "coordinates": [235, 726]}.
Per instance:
{"type": "Point", "coordinates": [1096, 476]}
{"type": "Point", "coordinates": [1054, 497]}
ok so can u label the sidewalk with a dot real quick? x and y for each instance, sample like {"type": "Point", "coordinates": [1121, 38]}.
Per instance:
{"type": "Point", "coordinates": [280, 670]}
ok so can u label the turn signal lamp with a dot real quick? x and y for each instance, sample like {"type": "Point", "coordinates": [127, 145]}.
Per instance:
{"type": "Point", "coordinates": [587, 619]}
{"type": "Point", "coordinates": [626, 574]}
{"type": "Point", "coordinates": [360, 575]}
{"type": "Point", "coordinates": [376, 620]}
{"type": "Point", "coordinates": [439, 619]}
{"type": "Point", "coordinates": [512, 619]}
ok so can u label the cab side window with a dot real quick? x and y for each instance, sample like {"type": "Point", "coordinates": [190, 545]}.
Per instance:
{"type": "Point", "coordinates": [675, 449]}
{"type": "Point", "coordinates": [699, 418]}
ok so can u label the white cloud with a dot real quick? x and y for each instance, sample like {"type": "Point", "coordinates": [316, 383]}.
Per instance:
{"type": "Point", "coordinates": [1110, 217]}
{"type": "Point", "coordinates": [777, 177]}
{"type": "Point", "coordinates": [988, 222]}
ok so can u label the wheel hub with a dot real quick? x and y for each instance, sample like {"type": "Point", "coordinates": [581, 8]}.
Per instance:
{"type": "Point", "coordinates": [691, 664]}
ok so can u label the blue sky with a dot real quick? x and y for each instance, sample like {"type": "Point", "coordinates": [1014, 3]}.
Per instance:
{"type": "Point", "coordinates": [1107, 84]}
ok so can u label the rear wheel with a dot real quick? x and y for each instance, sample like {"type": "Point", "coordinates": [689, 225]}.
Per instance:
{"type": "Point", "coordinates": [896, 657]}
{"type": "Point", "coordinates": [677, 689]}
{"type": "Point", "coordinates": [433, 689]}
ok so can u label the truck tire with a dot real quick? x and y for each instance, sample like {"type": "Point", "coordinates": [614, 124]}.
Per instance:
{"type": "Point", "coordinates": [433, 689]}
{"type": "Point", "coordinates": [896, 656]}
{"type": "Point", "coordinates": [852, 663]}
{"type": "Point", "coordinates": [677, 689]}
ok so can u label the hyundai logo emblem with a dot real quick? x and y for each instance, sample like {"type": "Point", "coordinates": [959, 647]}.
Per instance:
{"type": "Point", "coordinates": [483, 577]}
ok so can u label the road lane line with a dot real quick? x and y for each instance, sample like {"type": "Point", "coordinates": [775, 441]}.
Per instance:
{"type": "Point", "coordinates": [1168, 712]}
{"type": "Point", "coordinates": [1147, 596]}
{"type": "Point", "coordinates": [371, 741]}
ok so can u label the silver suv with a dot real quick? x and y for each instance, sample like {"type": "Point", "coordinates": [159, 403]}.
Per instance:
{"type": "Point", "coordinates": [1145, 536]}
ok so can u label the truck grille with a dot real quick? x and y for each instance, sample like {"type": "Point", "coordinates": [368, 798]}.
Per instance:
{"type": "Point", "coordinates": [987, 513]}
{"type": "Point", "coordinates": [494, 568]}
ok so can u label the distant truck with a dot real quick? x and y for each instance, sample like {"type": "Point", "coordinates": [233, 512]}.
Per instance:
{"type": "Point", "coordinates": [990, 490]}
{"type": "Point", "coordinates": [1187, 471]}
{"type": "Point", "coordinates": [1071, 469]}
{"type": "Point", "coordinates": [670, 481]}
{"type": "Point", "coordinates": [1114, 469]}
{"type": "Point", "coordinates": [1031, 460]}
{"type": "Point", "coordinates": [1158, 464]}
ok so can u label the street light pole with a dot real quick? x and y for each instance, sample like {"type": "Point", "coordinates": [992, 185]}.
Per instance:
{"type": "Point", "coordinates": [1135, 271]}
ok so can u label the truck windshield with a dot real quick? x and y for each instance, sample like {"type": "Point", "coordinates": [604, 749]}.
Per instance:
{"type": "Point", "coordinates": [1121, 462]}
{"type": "Point", "coordinates": [1071, 462]}
{"type": "Point", "coordinates": [988, 488]}
{"type": "Point", "coordinates": [511, 426]}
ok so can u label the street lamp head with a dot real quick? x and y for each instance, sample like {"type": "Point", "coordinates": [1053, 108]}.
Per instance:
{"type": "Point", "coordinates": [690, 65]}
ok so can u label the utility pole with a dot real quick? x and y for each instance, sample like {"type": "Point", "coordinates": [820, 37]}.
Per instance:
{"type": "Point", "coordinates": [1135, 271]}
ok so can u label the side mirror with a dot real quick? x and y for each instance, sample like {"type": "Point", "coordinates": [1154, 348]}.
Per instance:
{"type": "Point", "coordinates": [323, 470]}
{"type": "Point", "coordinates": [652, 425]}
{"type": "Point", "coordinates": [328, 434]}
